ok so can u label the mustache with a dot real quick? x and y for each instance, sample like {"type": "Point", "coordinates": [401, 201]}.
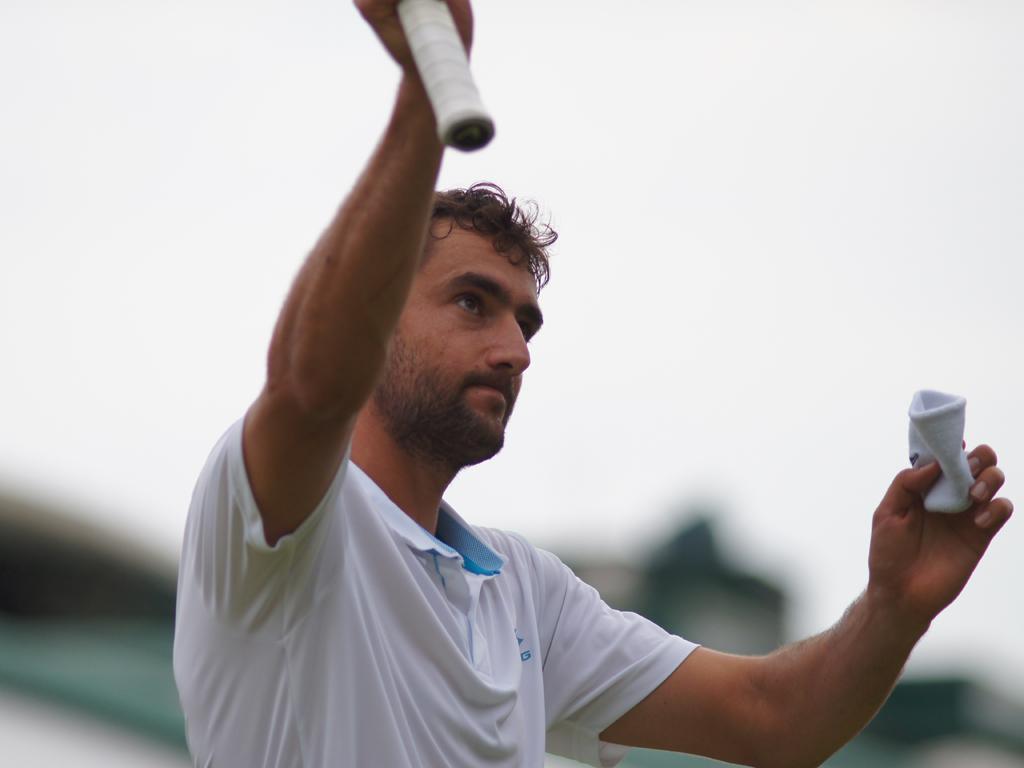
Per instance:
{"type": "Point", "coordinates": [494, 380]}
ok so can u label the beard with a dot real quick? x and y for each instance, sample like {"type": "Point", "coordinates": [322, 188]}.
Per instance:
{"type": "Point", "coordinates": [427, 416]}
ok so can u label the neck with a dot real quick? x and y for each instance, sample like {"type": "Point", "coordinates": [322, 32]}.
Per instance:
{"type": "Point", "coordinates": [414, 485]}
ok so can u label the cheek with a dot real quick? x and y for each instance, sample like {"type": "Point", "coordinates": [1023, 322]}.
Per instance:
{"type": "Point", "coordinates": [439, 340]}
{"type": "Point", "coordinates": [436, 327]}
{"type": "Point", "coordinates": [437, 355]}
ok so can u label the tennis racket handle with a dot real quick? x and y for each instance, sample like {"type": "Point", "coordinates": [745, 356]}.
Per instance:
{"type": "Point", "coordinates": [462, 120]}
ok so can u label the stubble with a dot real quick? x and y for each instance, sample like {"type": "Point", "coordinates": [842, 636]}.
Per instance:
{"type": "Point", "coordinates": [428, 417]}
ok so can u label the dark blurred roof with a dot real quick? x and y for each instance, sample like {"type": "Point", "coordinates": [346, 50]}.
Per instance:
{"type": "Point", "coordinates": [54, 564]}
{"type": "Point", "coordinates": [87, 619]}
{"type": "Point", "coordinates": [926, 710]}
{"type": "Point", "coordinates": [693, 555]}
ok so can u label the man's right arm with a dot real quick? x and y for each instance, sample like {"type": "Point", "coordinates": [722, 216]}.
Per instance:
{"type": "Point", "coordinates": [331, 338]}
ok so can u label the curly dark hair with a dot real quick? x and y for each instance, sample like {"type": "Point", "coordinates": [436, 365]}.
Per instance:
{"type": "Point", "coordinates": [514, 229]}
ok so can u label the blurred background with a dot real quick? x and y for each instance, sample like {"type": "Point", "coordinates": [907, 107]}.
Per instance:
{"type": "Point", "coordinates": [778, 220]}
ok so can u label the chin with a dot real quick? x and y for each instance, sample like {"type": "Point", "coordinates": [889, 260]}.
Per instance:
{"type": "Point", "coordinates": [486, 445]}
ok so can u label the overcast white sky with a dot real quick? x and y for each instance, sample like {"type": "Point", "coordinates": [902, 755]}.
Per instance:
{"type": "Point", "coordinates": [778, 220]}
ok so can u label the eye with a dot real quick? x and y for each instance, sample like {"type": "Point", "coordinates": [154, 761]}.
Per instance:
{"type": "Point", "coordinates": [470, 303]}
{"type": "Point", "coordinates": [527, 330]}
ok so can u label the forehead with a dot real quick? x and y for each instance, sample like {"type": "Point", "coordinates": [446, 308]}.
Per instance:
{"type": "Point", "coordinates": [463, 251]}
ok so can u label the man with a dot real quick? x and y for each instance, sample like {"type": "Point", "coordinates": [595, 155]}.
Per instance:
{"type": "Point", "coordinates": [334, 611]}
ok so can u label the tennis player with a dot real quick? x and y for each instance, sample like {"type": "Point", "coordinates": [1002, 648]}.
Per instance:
{"type": "Point", "coordinates": [334, 611]}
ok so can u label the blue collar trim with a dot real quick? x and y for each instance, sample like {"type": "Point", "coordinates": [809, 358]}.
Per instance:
{"type": "Point", "coordinates": [454, 536]}
{"type": "Point", "coordinates": [477, 557]}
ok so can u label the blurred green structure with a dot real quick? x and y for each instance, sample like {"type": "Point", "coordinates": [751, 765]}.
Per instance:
{"type": "Point", "coordinates": [86, 625]}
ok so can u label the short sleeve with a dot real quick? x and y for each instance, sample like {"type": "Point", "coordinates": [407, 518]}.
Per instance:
{"type": "Point", "coordinates": [599, 663]}
{"type": "Point", "coordinates": [226, 560]}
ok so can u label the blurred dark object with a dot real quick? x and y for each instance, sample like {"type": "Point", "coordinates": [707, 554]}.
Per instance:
{"type": "Point", "coordinates": [692, 590]}
{"type": "Point", "coordinates": [689, 588]}
{"type": "Point", "coordinates": [920, 711]}
{"type": "Point", "coordinates": [87, 621]}
{"type": "Point", "coordinates": [53, 565]}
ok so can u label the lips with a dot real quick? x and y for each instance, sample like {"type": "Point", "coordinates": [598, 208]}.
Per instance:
{"type": "Point", "coordinates": [491, 389]}
{"type": "Point", "coordinates": [503, 387]}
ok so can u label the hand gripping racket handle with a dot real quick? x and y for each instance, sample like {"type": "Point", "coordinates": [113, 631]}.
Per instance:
{"type": "Point", "coordinates": [462, 120]}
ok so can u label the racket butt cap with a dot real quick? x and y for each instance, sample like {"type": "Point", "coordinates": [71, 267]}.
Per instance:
{"type": "Point", "coordinates": [469, 134]}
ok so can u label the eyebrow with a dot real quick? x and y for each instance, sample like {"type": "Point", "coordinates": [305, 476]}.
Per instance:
{"type": "Point", "coordinates": [530, 311]}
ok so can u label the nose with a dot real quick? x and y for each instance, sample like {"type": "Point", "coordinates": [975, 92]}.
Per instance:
{"type": "Point", "coordinates": [509, 350]}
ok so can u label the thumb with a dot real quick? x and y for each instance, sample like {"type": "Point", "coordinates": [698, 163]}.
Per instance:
{"type": "Point", "coordinates": [908, 485]}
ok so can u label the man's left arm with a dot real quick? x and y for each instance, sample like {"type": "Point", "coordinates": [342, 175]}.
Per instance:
{"type": "Point", "coordinates": [798, 705]}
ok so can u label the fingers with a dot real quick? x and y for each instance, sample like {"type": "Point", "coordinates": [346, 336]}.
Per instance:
{"type": "Point", "coordinates": [987, 484]}
{"type": "Point", "coordinates": [990, 512]}
{"type": "Point", "coordinates": [382, 16]}
{"type": "Point", "coordinates": [981, 457]}
{"type": "Point", "coordinates": [374, 11]}
{"type": "Point", "coordinates": [910, 484]}
{"type": "Point", "coordinates": [993, 516]}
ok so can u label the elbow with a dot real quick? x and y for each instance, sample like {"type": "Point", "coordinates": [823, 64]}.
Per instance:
{"type": "Point", "coordinates": [785, 738]}
{"type": "Point", "coordinates": [780, 761]}
{"type": "Point", "coordinates": [798, 762]}
{"type": "Point", "coordinates": [783, 755]}
{"type": "Point", "coordinates": [790, 748]}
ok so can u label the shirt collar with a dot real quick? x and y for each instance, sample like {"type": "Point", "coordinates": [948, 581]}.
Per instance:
{"type": "Point", "coordinates": [455, 537]}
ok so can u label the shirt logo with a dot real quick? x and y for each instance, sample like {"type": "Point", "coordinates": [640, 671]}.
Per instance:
{"type": "Point", "coordinates": [524, 655]}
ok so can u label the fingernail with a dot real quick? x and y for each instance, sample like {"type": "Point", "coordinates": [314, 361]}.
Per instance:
{"type": "Point", "coordinates": [979, 491]}
{"type": "Point", "coordinates": [974, 462]}
{"type": "Point", "coordinates": [984, 518]}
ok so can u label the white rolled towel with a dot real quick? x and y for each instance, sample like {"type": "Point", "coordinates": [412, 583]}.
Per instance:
{"type": "Point", "coordinates": [937, 434]}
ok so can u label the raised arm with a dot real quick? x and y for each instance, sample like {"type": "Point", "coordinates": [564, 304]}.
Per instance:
{"type": "Point", "coordinates": [797, 706]}
{"type": "Point", "coordinates": [330, 340]}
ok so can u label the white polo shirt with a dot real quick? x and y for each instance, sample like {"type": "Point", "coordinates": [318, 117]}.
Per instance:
{"type": "Point", "coordinates": [363, 640]}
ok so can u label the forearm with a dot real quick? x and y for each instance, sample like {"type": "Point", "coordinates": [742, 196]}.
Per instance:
{"type": "Point", "coordinates": [332, 335]}
{"type": "Point", "coordinates": [823, 691]}
{"type": "Point", "coordinates": [797, 706]}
